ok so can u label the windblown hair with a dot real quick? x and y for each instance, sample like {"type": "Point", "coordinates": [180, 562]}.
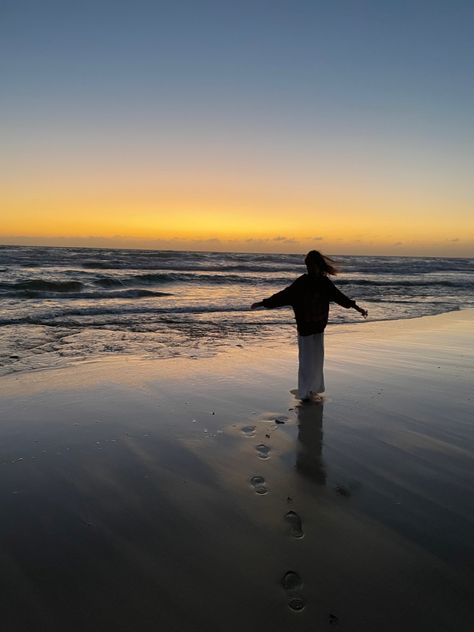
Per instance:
{"type": "Point", "coordinates": [325, 264]}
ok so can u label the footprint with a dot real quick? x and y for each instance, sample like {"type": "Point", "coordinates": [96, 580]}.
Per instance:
{"type": "Point", "coordinates": [281, 419]}
{"type": "Point", "coordinates": [248, 431]}
{"type": "Point", "coordinates": [295, 523]}
{"type": "Point", "coordinates": [342, 490]}
{"type": "Point", "coordinates": [259, 485]}
{"type": "Point", "coordinates": [347, 490]}
{"type": "Point", "coordinates": [291, 581]}
{"type": "Point", "coordinates": [263, 451]}
{"type": "Point", "coordinates": [292, 584]}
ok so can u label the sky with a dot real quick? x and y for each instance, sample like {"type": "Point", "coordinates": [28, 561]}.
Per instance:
{"type": "Point", "coordinates": [255, 126]}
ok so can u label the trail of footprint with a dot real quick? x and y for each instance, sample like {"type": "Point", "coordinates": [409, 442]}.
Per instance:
{"type": "Point", "coordinates": [259, 485]}
{"type": "Point", "coordinates": [248, 431]}
{"type": "Point", "coordinates": [292, 584]}
{"type": "Point", "coordinates": [263, 451]}
{"type": "Point", "coordinates": [295, 523]}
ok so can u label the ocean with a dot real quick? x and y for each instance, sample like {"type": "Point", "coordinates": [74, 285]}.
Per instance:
{"type": "Point", "coordinates": [63, 305]}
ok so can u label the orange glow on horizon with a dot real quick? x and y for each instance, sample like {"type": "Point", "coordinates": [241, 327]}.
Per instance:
{"type": "Point", "coordinates": [254, 215]}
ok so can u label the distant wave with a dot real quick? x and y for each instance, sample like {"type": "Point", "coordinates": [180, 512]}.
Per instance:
{"type": "Point", "coordinates": [122, 259]}
{"type": "Point", "coordinates": [123, 310]}
{"type": "Point", "coordinates": [73, 288]}
{"type": "Point", "coordinates": [271, 279]}
{"type": "Point", "coordinates": [404, 284]}
{"type": "Point", "coordinates": [136, 293]}
{"type": "Point", "coordinates": [158, 278]}
{"type": "Point", "coordinates": [101, 264]}
{"type": "Point", "coordinates": [40, 285]}
{"type": "Point", "coordinates": [108, 282]}
{"type": "Point", "coordinates": [190, 267]}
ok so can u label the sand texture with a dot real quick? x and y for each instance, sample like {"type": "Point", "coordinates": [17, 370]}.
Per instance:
{"type": "Point", "coordinates": [199, 495]}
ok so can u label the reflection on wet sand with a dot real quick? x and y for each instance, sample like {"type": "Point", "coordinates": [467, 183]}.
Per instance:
{"type": "Point", "coordinates": [310, 440]}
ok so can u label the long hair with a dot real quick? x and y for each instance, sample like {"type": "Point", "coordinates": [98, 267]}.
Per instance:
{"type": "Point", "coordinates": [325, 264]}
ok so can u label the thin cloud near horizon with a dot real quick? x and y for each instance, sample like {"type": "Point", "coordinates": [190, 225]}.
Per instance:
{"type": "Point", "coordinates": [255, 245]}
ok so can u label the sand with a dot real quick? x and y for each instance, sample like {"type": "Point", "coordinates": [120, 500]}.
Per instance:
{"type": "Point", "coordinates": [188, 495]}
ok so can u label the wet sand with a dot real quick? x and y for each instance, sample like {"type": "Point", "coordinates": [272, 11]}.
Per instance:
{"type": "Point", "coordinates": [188, 495]}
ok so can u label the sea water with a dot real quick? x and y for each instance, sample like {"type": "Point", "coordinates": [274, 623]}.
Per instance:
{"type": "Point", "coordinates": [59, 305]}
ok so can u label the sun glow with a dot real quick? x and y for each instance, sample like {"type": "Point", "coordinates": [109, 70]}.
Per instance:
{"type": "Point", "coordinates": [286, 224]}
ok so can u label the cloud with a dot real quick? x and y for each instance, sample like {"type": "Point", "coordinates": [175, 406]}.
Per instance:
{"type": "Point", "coordinates": [317, 238]}
{"type": "Point", "coordinates": [268, 240]}
{"type": "Point", "coordinates": [455, 239]}
{"type": "Point", "coordinates": [211, 240]}
{"type": "Point", "coordinates": [286, 240]}
{"type": "Point", "coordinates": [398, 243]}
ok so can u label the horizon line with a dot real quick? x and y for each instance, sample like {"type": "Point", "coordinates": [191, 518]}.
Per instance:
{"type": "Point", "coordinates": [227, 251]}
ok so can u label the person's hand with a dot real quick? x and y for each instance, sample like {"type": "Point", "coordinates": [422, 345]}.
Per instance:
{"type": "Point", "coordinates": [256, 305]}
{"type": "Point", "coordinates": [363, 312]}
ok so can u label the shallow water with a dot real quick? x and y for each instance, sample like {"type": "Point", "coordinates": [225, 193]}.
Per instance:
{"type": "Point", "coordinates": [59, 305]}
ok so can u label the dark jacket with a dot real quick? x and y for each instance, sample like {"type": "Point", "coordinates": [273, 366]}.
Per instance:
{"type": "Point", "coordinates": [309, 297]}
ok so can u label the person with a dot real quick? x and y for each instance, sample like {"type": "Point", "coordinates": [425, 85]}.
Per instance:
{"type": "Point", "coordinates": [309, 296]}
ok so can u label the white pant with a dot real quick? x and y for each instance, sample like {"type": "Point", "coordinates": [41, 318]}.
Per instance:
{"type": "Point", "coordinates": [311, 361]}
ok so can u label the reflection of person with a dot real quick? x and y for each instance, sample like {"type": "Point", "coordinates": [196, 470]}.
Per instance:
{"type": "Point", "coordinates": [310, 442]}
{"type": "Point", "coordinates": [310, 296]}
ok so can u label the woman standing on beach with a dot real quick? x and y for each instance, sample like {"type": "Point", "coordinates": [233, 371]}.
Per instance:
{"type": "Point", "coordinates": [309, 296]}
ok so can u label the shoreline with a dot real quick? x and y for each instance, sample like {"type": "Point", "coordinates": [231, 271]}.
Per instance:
{"type": "Point", "coordinates": [283, 334]}
{"type": "Point", "coordinates": [131, 500]}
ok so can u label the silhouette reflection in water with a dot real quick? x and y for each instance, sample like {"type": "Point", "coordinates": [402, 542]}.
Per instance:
{"type": "Point", "coordinates": [310, 441]}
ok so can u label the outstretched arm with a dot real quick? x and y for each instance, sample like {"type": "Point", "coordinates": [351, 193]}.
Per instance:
{"type": "Point", "coordinates": [280, 299]}
{"type": "Point", "coordinates": [344, 301]}
{"type": "Point", "coordinates": [361, 311]}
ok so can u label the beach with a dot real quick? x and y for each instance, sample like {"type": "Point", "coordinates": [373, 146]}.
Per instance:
{"type": "Point", "coordinates": [190, 494]}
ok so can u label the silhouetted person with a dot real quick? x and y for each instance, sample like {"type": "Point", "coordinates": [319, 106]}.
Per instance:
{"type": "Point", "coordinates": [310, 296]}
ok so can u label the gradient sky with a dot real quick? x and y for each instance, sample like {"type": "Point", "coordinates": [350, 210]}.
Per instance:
{"type": "Point", "coordinates": [237, 125]}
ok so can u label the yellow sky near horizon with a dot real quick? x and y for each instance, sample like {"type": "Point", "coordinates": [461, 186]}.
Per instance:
{"type": "Point", "coordinates": [237, 224]}
{"type": "Point", "coordinates": [360, 198]}
{"type": "Point", "coordinates": [365, 209]}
